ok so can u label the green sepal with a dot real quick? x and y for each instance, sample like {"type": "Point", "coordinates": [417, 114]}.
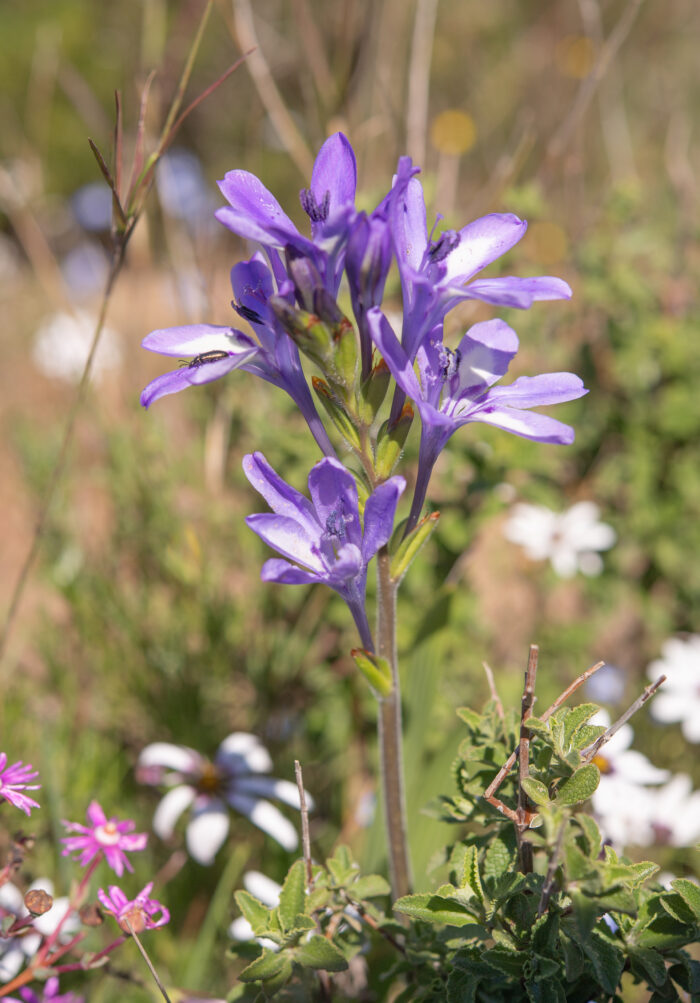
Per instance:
{"type": "Point", "coordinates": [336, 411]}
{"type": "Point", "coordinates": [307, 331]}
{"type": "Point", "coordinates": [391, 439]}
{"type": "Point", "coordinates": [408, 548]}
{"type": "Point", "coordinates": [375, 669]}
{"type": "Point", "coordinates": [373, 391]}
{"type": "Point", "coordinates": [345, 354]}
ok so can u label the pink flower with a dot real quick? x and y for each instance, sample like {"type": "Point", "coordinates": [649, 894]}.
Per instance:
{"type": "Point", "coordinates": [13, 779]}
{"type": "Point", "coordinates": [103, 835]}
{"type": "Point", "coordinates": [136, 913]}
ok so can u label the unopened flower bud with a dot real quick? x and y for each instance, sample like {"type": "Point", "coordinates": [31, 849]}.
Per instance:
{"type": "Point", "coordinates": [38, 901]}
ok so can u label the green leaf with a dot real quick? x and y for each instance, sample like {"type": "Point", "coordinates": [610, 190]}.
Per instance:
{"type": "Point", "coordinates": [470, 717]}
{"type": "Point", "coordinates": [586, 735]}
{"type": "Point", "coordinates": [538, 726]}
{"type": "Point", "coordinates": [499, 858]}
{"type": "Point", "coordinates": [254, 911]}
{"type": "Point", "coordinates": [577, 717]}
{"type": "Point", "coordinates": [592, 834]}
{"type": "Point", "coordinates": [507, 962]}
{"type": "Point", "coordinates": [607, 960]}
{"type": "Point", "coordinates": [649, 965]}
{"type": "Point", "coordinates": [580, 785]}
{"type": "Point", "coordinates": [676, 907]}
{"type": "Point", "coordinates": [317, 952]}
{"type": "Point", "coordinates": [269, 964]}
{"type": "Point", "coordinates": [689, 892]}
{"type": "Point", "coordinates": [536, 791]}
{"type": "Point", "coordinates": [470, 873]}
{"type": "Point", "coordinates": [342, 866]}
{"type": "Point", "coordinates": [370, 886]}
{"type": "Point", "coordinates": [687, 975]}
{"type": "Point", "coordinates": [664, 932]}
{"type": "Point", "coordinates": [292, 895]}
{"type": "Point", "coordinates": [272, 986]}
{"type": "Point", "coordinates": [435, 909]}
{"type": "Point", "coordinates": [461, 986]}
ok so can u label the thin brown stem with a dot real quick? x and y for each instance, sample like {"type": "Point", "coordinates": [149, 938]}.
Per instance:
{"type": "Point", "coordinates": [305, 837]}
{"type": "Point", "coordinates": [589, 753]}
{"type": "Point", "coordinates": [390, 736]}
{"type": "Point", "coordinates": [149, 963]}
{"type": "Point", "coordinates": [494, 692]}
{"type": "Point", "coordinates": [510, 761]}
{"type": "Point", "coordinates": [523, 810]}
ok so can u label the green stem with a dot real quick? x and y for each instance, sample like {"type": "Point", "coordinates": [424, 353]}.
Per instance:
{"type": "Point", "coordinates": [390, 735]}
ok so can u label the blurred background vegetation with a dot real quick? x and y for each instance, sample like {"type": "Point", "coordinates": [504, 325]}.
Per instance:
{"type": "Point", "coordinates": [145, 619]}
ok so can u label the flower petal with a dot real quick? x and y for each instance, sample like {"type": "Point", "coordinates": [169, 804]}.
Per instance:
{"type": "Point", "coordinates": [180, 758]}
{"type": "Point", "coordinates": [508, 290]}
{"type": "Point", "coordinates": [280, 496]}
{"type": "Point", "coordinates": [254, 213]}
{"type": "Point", "coordinates": [241, 752]}
{"type": "Point", "coordinates": [334, 495]}
{"type": "Point", "coordinates": [271, 787]}
{"type": "Point", "coordinates": [284, 573]}
{"type": "Point", "coordinates": [170, 808]}
{"type": "Point", "coordinates": [287, 537]}
{"type": "Point", "coordinates": [335, 172]}
{"type": "Point", "coordinates": [481, 242]}
{"type": "Point", "coordinates": [268, 818]}
{"type": "Point", "coordinates": [409, 228]}
{"type": "Point", "coordinates": [485, 352]}
{"type": "Point", "coordinates": [193, 339]}
{"type": "Point", "coordinates": [539, 391]}
{"type": "Point", "coordinates": [187, 376]}
{"type": "Point", "coordinates": [380, 510]}
{"type": "Point", "coordinates": [207, 831]}
{"type": "Point", "coordinates": [527, 424]}
{"type": "Point", "coordinates": [393, 354]}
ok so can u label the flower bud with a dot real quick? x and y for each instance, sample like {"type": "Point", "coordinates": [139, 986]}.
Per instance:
{"type": "Point", "coordinates": [390, 442]}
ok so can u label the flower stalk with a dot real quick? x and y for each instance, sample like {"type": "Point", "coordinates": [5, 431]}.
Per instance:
{"type": "Point", "coordinates": [390, 734]}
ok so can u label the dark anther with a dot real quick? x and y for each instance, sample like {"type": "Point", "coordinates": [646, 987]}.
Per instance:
{"type": "Point", "coordinates": [316, 213]}
{"type": "Point", "coordinates": [445, 243]}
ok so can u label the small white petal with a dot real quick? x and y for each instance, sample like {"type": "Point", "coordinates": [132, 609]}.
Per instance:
{"type": "Point", "coordinates": [207, 831]}
{"type": "Point", "coordinates": [11, 962]}
{"type": "Point", "coordinates": [241, 929]}
{"type": "Point", "coordinates": [240, 750]}
{"type": "Point", "coordinates": [170, 808]}
{"type": "Point", "coordinates": [268, 818]}
{"type": "Point", "coordinates": [172, 757]}
{"type": "Point", "coordinates": [270, 787]}
{"type": "Point", "coordinates": [11, 899]}
{"type": "Point", "coordinates": [263, 888]}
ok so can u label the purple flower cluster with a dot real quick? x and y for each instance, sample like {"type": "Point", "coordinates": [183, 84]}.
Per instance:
{"type": "Point", "coordinates": [287, 292]}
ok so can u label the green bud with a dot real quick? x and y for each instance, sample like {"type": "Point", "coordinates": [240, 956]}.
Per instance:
{"type": "Point", "coordinates": [345, 354]}
{"type": "Point", "coordinates": [375, 669]}
{"type": "Point", "coordinates": [390, 442]}
{"type": "Point", "coordinates": [409, 547]}
{"type": "Point", "coordinates": [335, 409]}
{"type": "Point", "coordinates": [373, 392]}
{"type": "Point", "coordinates": [309, 334]}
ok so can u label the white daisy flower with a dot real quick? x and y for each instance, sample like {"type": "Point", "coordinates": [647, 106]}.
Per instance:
{"type": "Point", "coordinates": [569, 540]}
{"type": "Point", "coordinates": [679, 697]}
{"type": "Point", "coordinates": [234, 778]}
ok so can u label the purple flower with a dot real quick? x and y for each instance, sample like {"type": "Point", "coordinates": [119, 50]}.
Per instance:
{"type": "Point", "coordinates": [219, 350]}
{"type": "Point", "coordinates": [438, 274]}
{"type": "Point", "coordinates": [138, 913]}
{"type": "Point", "coordinates": [50, 994]}
{"type": "Point", "coordinates": [234, 779]}
{"type": "Point", "coordinates": [255, 214]}
{"type": "Point", "coordinates": [323, 535]}
{"type": "Point", "coordinates": [456, 387]}
{"type": "Point", "coordinates": [13, 780]}
{"type": "Point", "coordinates": [108, 836]}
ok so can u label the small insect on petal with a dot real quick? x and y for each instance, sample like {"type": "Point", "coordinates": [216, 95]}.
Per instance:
{"type": "Point", "coordinates": [216, 355]}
